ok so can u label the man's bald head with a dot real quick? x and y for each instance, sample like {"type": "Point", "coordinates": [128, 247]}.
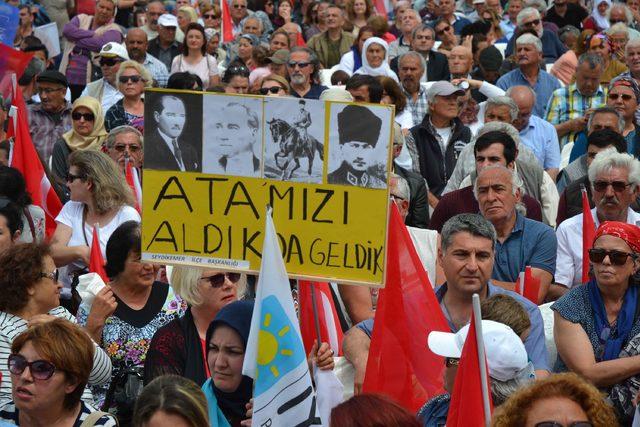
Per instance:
{"type": "Point", "coordinates": [460, 61]}
{"type": "Point", "coordinates": [525, 99]}
{"type": "Point", "coordinates": [136, 42]}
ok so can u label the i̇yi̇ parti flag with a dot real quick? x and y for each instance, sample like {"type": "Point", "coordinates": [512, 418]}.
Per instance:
{"type": "Point", "coordinates": [466, 408]}
{"type": "Point", "coordinates": [400, 365]}
{"type": "Point", "coordinates": [227, 22]}
{"type": "Point", "coordinates": [283, 393]}
{"type": "Point", "coordinates": [528, 285]}
{"type": "Point", "coordinates": [329, 323]}
{"type": "Point", "coordinates": [96, 261]}
{"type": "Point", "coordinates": [131, 175]}
{"type": "Point", "coordinates": [588, 234]}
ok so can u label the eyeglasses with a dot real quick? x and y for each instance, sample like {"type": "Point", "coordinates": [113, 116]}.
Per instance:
{"type": "Point", "coordinates": [53, 276]}
{"type": "Point", "coordinates": [557, 424]}
{"type": "Point", "coordinates": [210, 16]}
{"type": "Point", "coordinates": [48, 90]}
{"type": "Point", "coordinates": [615, 257]}
{"type": "Point", "coordinates": [443, 30]}
{"type": "Point", "coordinates": [40, 369]}
{"type": "Point", "coordinates": [109, 62]}
{"type": "Point", "coordinates": [618, 186]}
{"type": "Point", "coordinates": [217, 280]}
{"type": "Point", "coordinates": [533, 23]}
{"type": "Point", "coordinates": [624, 96]}
{"type": "Point", "coordinates": [71, 177]}
{"type": "Point", "coordinates": [273, 90]}
{"type": "Point", "coordinates": [120, 148]}
{"type": "Point", "coordinates": [88, 117]}
{"type": "Point", "coordinates": [133, 79]}
{"type": "Point", "coordinates": [292, 64]}
{"type": "Point", "coordinates": [239, 6]}
{"type": "Point", "coordinates": [452, 361]}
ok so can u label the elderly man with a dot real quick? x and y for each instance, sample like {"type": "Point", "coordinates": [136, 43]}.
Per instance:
{"type": "Point", "coordinates": [528, 73]}
{"type": "Point", "coordinates": [105, 89]}
{"type": "Point", "coordinates": [422, 41]}
{"type": "Point", "coordinates": [303, 67]}
{"type": "Point", "coordinates": [614, 179]}
{"type": "Point", "coordinates": [136, 42]}
{"type": "Point", "coordinates": [570, 106]}
{"type": "Point", "coordinates": [632, 59]}
{"type": "Point", "coordinates": [253, 25]}
{"type": "Point", "coordinates": [408, 23]}
{"type": "Point", "coordinates": [411, 66]}
{"type": "Point", "coordinates": [154, 10]}
{"type": "Point", "coordinates": [564, 12]}
{"type": "Point", "coordinates": [51, 118]}
{"type": "Point", "coordinates": [331, 44]}
{"type": "Point", "coordinates": [467, 255]}
{"type": "Point", "coordinates": [165, 47]}
{"type": "Point", "coordinates": [494, 147]}
{"type": "Point", "coordinates": [460, 62]}
{"type": "Point", "coordinates": [238, 11]}
{"type": "Point", "coordinates": [536, 133]}
{"type": "Point", "coordinates": [123, 144]}
{"type": "Point", "coordinates": [552, 47]}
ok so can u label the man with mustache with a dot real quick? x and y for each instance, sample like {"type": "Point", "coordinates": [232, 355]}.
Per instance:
{"type": "Point", "coordinates": [411, 66]}
{"type": "Point", "coordinates": [614, 179]}
{"type": "Point", "coordinates": [303, 67]}
{"type": "Point", "coordinates": [136, 43]}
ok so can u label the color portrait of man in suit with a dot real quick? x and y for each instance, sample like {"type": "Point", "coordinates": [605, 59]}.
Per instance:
{"type": "Point", "coordinates": [167, 142]}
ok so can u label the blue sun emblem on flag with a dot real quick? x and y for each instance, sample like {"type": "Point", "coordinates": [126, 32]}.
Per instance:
{"type": "Point", "coordinates": [279, 349]}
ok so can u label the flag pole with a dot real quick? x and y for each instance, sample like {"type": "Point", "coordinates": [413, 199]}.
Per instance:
{"type": "Point", "coordinates": [482, 362]}
{"type": "Point", "coordinates": [316, 319]}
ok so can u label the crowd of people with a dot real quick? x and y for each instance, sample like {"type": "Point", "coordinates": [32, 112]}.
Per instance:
{"type": "Point", "coordinates": [510, 115]}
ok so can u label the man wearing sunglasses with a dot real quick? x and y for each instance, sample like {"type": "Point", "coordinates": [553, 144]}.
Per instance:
{"type": "Point", "coordinates": [552, 48]}
{"type": "Point", "coordinates": [123, 144]}
{"type": "Point", "coordinates": [614, 179]}
{"type": "Point", "coordinates": [303, 66]}
{"type": "Point", "coordinates": [105, 89]}
{"type": "Point", "coordinates": [238, 11]}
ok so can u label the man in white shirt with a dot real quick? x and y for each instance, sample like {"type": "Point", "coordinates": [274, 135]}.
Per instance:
{"type": "Point", "coordinates": [105, 89]}
{"type": "Point", "coordinates": [615, 181]}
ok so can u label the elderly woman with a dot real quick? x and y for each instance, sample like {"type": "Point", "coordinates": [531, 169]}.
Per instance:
{"type": "Point", "coordinates": [31, 295]}
{"type": "Point", "coordinates": [598, 21]}
{"type": "Point", "coordinates": [132, 79]}
{"type": "Point", "coordinates": [179, 347]}
{"type": "Point", "coordinates": [14, 188]}
{"type": "Point", "coordinates": [125, 315]}
{"type": "Point", "coordinates": [211, 16]}
{"type": "Point", "coordinates": [594, 322]}
{"type": "Point", "coordinates": [624, 96]}
{"type": "Point", "coordinates": [87, 133]}
{"type": "Point", "coordinates": [186, 15]}
{"type": "Point", "coordinates": [59, 357]}
{"type": "Point", "coordinates": [352, 60]}
{"type": "Point", "coordinates": [274, 85]}
{"type": "Point", "coordinates": [600, 45]}
{"type": "Point", "coordinates": [85, 35]}
{"type": "Point", "coordinates": [618, 35]}
{"type": "Point", "coordinates": [246, 44]}
{"type": "Point", "coordinates": [99, 196]}
{"type": "Point", "coordinates": [213, 45]}
{"type": "Point", "coordinates": [375, 59]}
{"type": "Point", "coordinates": [194, 57]}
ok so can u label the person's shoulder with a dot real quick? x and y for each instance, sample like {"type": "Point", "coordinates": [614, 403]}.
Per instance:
{"type": "Point", "coordinates": [105, 420]}
{"type": "Point", "coordinates": [72, 208]}
{"type": "Point", "coordinates": [571, 304]}
{"type": "Point", "coordinates": [528, 305]}
{"type": "Point", "coordinates": [570, 223]}
{"type": "Point", "coordinates": [128, 213]}
{"type": "Point", "coordinates": [538, 228]}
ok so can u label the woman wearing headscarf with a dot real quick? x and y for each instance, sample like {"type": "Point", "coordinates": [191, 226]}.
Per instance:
{"type": "Point", "coordinates": [352, 60]}
{"type": "Point", "coordinates": [375, 59]}
{"type": "Point", "coordinates": [598, 19]}
{"type": "Point", "coordinates": [593, 323]}
{"type": "Point", "coordinates": [87, 133]}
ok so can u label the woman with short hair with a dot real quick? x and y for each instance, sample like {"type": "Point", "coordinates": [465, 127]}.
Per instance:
{"type": "Point", "coordinates": [132, 80]}
{"type": "Point", "coordinates": [274, 85]}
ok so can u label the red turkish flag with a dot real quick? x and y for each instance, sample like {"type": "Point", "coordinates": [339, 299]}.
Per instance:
{"type": "Point", "coordinates": [96, 262]}
{"type": "Point", "coordinates": [330, 329]}
{"type": "Point", "coordinates": [588, 234]}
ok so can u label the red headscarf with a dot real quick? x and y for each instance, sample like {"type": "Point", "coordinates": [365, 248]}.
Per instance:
{"type": "Point", "coordinates": [628, 232]}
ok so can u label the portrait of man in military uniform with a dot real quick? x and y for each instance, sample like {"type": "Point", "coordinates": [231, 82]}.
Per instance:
{"type": "Point", "coordinates": [358, 135]}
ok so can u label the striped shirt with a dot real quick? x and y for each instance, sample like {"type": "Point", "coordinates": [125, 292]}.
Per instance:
{"type": "Point", "coordinates": [11, 326]}
{"type": "Point", "coordinates": [9, 412]}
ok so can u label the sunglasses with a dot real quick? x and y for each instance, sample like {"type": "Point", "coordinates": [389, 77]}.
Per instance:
{"type": "Point", "coordinates": [533, 23]}
{"type": "Point", "coordinates": [133, 79]}
{"type": "Point", "coordinates": [273, 90]}
{"type": "Point", "coordinates": [40, 369]}
{"type": "Point", "coordinates": [109, 62]}
{"type": "Point", "coordinates": [239, 6]}
{"type": "Point", "coordinates": [120, 148]}
{"type": "Point", "coordinates": [557, 424]}
{"type": "Point", "coordinates": [443, 30]}
{"type": "Point", "coordinates": [624, 96]}
{"type": "Point", "coordinates": [71, 177]}
{"type": "Point", "coordinates": [292, 64]}
{"type": "Point", "coordinates": [615, 257]}
{"type": "Point", "coordinates": [217, 280]}
{"type": "Point", "coordinates": [53, 276]}
{"type": "Point", "coordinates": [618, 186]}
{"type": "Point", "coordinates": [210, 16]}
{"type": "Point", "coordinates": [88, 117]}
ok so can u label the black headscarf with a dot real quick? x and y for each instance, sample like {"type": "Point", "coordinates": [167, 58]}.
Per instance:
{"type": "Point", "coordinates": [237, 316]}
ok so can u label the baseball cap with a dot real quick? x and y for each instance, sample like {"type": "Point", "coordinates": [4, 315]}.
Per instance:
{"type": "Point", "coordinates": [279, 57]}
{"type": "Point", "coordinates": [168, 20]}
{"type": "Point", "coordinates": [52, 76]}
{"type": "Point", "coordinates": [506, 355]}
{"type": "Point", "coordinates": [478, 1]}
{"type": "Point", "coordinates": [490, 58]}
{"type": "Point", "coordinates": [113, 49]}
{"type": "Point", "coordinates": [444, 88]}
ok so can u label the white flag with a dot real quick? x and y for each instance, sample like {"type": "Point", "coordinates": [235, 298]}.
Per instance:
{"type": "Point", "coordinates": [283, 393]}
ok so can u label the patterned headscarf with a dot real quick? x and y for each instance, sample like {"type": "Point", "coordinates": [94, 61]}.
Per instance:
{"type": "Point", "coordinates": [628, 232]}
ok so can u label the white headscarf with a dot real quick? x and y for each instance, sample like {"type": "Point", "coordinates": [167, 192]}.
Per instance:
{"type": "Point", "coordinates": [601, 21]}
{"type": "Point", "coordinates": [383, 69]}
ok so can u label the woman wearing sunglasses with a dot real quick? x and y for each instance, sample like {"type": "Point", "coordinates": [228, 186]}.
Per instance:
{"type": "Point", "coordinates": [124, 317]}
{"type": "Point", "coordinates": [49, 365]}
{"type": "Point", "coordinates": [87, 133]}
{"type": "Point", "coordinates": [31, 296]}
{"type": "Point", "coordinates": [132, 79]}
{"type": "Point", "coordinates": [179, 347]}
{"type": "Point", "coordinates": [594, 323]}
{"type": "Point", "coordinates": [99, 195]}
{"type": "Point", "coordinates": [274, 85]}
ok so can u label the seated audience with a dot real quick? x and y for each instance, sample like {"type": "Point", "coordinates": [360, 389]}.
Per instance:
{"type": "Point", "coordinates": [14, 188]}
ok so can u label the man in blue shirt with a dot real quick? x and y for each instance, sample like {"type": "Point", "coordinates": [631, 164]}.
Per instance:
{"type": "Point", "coordinates": [528, 73]}
{"type": "Point", "coordinates": [466, 254]}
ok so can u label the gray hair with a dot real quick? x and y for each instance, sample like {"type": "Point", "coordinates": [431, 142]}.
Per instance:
{"type": "Point", "coordinates": [474, 224]}
{"type": "Point", "coordinates": [423, 27]}
{"type": "Point", "coordinates": [413, 54]}
{"type": "Point", "coordinates": [500, 127]}
{"type": "Point", "coordinates": [627, 12]}
{"type": "Point", "coordinates": [500, 101]}
{"type": "Point", "coordinates": [529, 38]}
{"type": "Point", "coordinates": [402, 187]}
{"type": "Point", "coordinates": [313, 58]}
{"type": "Point", "coordinates": [501, 390]}
{"type": "Point", "coordinates": [111, 138]}
{"type": "Point", "coordinates": [539, 5]}
{"type": "Point", "coordinates": [631, 43]}
{"type": "Point", "coordinates": [566, 31]}
{"type": "Point", "coordinates": [516, 181]}
{"type": "Point", "coordinates": [592, 59]}
{"type": "Point", "coordinates": [415, 12]}
{"type": "Point", "coordinates": [528, 88]}
{"type": "Point", "coordinates": [252, 18]}
{"type": "Point", "coordinates": [607, 110]}
{"type": "Point", "coordinates": [525, 13]}
{"type": "Point", "coordinates": [618, 28]}
{"type": "Point", "coordinates": [609, 159]}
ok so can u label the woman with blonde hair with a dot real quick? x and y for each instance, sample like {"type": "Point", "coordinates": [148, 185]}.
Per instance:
{"type": "Point", "coordinates": [186, 15]}
{"type": "Point", "coordinates": [179, 347]}
{"type": "Point", "coordinates": [132, 79]}
{"type": "Point", "coordinates": [99, 197]}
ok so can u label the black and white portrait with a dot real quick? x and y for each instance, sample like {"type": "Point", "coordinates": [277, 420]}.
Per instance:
{"type": "Point", "coordinates": [358, 146]}
{"type": "Point", "coordinates": [173, 131]}
{"type": "Point", "coordinates": [294, 131]}
{"type": "Point", "coordinates": [232, 136]}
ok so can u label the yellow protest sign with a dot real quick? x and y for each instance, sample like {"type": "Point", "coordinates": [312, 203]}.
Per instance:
{"type": "Point", "coordinates": [214, 162]}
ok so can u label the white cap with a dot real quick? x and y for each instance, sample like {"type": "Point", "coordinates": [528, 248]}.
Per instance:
{"type": "Point", "coordinates": [168, 20]}
{"type": "Point", "coordinates": [113, 49]}
{"type": "Point", "coordinates": [478, 1]}
{"type": "Point", "coordinates": [506, 355]}
{"type": "Point", "coordinates": [336, 94]}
